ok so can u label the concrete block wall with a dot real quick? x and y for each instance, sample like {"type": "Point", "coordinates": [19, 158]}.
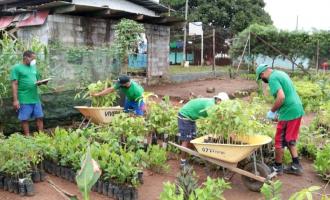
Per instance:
{"type": "Point", "coordinates": [71, 30]}
{"type": "Point", "coordinates": [158, 49]}
{"type": "Point", "coordinates": [77, 31]}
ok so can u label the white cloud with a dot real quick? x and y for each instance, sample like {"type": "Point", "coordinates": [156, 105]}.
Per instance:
{"type": "Point", "coordinates": [311, 14]}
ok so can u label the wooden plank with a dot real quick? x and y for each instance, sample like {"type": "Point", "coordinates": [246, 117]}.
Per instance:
{"type": "Point", "coordinates": [229, 166]}
{"type": "Point", "coordinates": [66, 195]}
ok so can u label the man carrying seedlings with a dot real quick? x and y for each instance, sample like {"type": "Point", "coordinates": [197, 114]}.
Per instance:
{"type": "Point", "coordinates": [189, 113]}
{"type": "Point", "coordinates": [26, 100]}
{"type": "Point", "coordinates": [133, 92]}
{"type": "Point", "coordinates": [288, 110]}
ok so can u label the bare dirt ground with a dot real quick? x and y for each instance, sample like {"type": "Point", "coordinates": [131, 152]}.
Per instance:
{"type": "Point", "coordinates": [183, 90]}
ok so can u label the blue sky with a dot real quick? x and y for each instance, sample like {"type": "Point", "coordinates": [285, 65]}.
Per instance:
{"type": "Point", "coordinates": [311, 14]}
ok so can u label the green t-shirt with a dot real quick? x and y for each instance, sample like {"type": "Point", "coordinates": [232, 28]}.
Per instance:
{"type": "Point", "coordinates": [133, 93]}
{"type": "Point", "coordinates": [292, 107]}
{"type": "Point", "coordinates": [27, 77]}
{"type": "Point", "coordinates": [197, 108]}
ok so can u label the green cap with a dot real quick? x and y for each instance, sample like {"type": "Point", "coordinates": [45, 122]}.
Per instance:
{"type": "Point", "coordinates": [261, 68]}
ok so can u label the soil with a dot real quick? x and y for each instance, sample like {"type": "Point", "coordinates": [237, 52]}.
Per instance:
{"type": "Point", "coordinates": [198, 88]}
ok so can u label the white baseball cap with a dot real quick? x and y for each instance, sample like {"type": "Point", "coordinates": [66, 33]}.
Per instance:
{"type": "Point", "coordinates": [223, 96]}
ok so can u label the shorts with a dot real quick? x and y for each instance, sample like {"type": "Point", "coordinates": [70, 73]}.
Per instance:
{"type": "Point", "coordinates": [137, 107]}
{"type": "Point", "coordinates": [187, 128]}
{"type": "Point", "coordinates": [30, 111]}
{"type": "Point", "coordinates": [287, 133]}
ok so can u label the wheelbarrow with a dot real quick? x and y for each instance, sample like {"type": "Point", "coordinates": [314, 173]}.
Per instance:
{"type": "Point", "coordinates": [254, 173]}
{"type": "Point", "coordinates": [97, 115]}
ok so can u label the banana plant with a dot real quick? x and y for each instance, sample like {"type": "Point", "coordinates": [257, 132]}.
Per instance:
{"type": "Point", "coordinates": [88, 174]}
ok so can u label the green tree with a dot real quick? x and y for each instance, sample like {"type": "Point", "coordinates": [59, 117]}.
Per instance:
{"type": "Point", "coordinates": [268, 41]}
{"type": "Point", "coordinates": [127, 35]}
{"type": "Point", "coordinates": [234, 15]}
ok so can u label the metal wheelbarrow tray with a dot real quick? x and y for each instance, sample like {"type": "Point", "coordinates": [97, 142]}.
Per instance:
{"type": "Point", "coordinates": [98, 115]}
{"type": "Point", "coordinates": [254, 174]}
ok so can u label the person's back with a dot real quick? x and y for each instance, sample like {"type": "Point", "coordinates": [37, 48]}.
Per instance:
{"type": "Point", "coordinates": [196, 108]}
{"type": "Point", "coordinates": [292, 107]}
{"type": "Point", "coordinates": [133, 93]}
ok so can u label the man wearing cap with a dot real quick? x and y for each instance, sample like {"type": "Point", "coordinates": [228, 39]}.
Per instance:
{"type": "Point", "coordinates": [133, 92]}
{"type": "Point", "coordinates": [289, 111]}
{"type": "Point", "coordinates": [189, 113]}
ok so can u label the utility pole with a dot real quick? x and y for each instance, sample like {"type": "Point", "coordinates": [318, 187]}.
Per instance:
{"type": "Point", "coordinates": [297, 22]}
{"type": "Point", "coordinates": [317, 55]}
{"type": "Point", "coordinates": [185, 34]}
{"type": "Point", "coordinates": [249, 50]}
{"type": "Point", "coordinates": [213, 66]}
{"type": "Point", "coordinates": [202, 49]}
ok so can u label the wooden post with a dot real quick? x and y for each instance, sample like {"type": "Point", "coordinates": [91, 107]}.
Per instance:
{"type": "Point", "coordinates": [213, 66]}
{"type": "Point", "coordinates": [185, 35]}
{"type": "Point", "coordinates": [202, 49]}
{"type": "Point", "coordinates": [317, 55]}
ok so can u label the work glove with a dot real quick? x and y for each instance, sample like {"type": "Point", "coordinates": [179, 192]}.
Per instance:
{"type": "Point", "coordinates": [271, 115]}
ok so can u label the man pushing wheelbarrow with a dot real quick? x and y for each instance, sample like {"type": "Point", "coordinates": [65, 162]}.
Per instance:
{"type": "Point", "coordinates": [289, 111]}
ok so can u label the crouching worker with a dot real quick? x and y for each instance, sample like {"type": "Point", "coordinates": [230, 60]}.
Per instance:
{"type": "Point", "coordinates": [133, 92]}
{"type": "Point", "coordinates": [189, 113]}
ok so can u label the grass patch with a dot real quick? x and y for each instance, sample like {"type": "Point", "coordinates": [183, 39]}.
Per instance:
{"type": "Point", "coordinates": [178, 69]}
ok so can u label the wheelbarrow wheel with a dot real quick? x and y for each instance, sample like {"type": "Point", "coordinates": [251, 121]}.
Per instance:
{"type": "Point", "coordinates": [252, 184]}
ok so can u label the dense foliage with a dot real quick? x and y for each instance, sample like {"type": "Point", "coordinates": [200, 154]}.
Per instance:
{"type": "Point", "coordinates": [186, 187]}
{"type": "Point", "coordinates": [11, 53]}
{"type": "Point", "coordinates": [100, 101]}
{"type": "Point", "coordinates": [162, 117]}
{"type": "Point", "coordinates": [19, 155]}
{"type": "Point", "coordinates": [127, 36]}
{"type": "Point", "coordinates": [235, 118]}
{"type": "Point", "coordinates": [232, 15]}
{"type": "Point", "coordinates": [293, 45]}
{"type": "Point", "coordinates": [322, 162]}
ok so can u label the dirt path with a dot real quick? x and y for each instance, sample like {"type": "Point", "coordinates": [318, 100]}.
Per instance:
{"type": "Point", "coordinates": [183, 90]}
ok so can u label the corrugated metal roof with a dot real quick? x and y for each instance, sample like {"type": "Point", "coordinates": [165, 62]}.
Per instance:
{"type": "Point", "coordinates": [35, 19]}
{"type": "Point", "coordinates": [145, 3]}
{"type": "Point", "coordinates": [151, 5]}
{"type": "Point", "coordinates": [5, 21]}
{"type": "Point", "coordinates": [22, 20]}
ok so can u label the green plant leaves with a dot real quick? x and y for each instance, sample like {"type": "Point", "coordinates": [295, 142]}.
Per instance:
{"type": "Point", "coordinates": [305, 193]}
{"type": "Point", "coordinates": [162, 117]}
{"type": "Point", "coordinates": [155, 159]}
{"type": "Point", "coordinates": [322, 162]}
{"type": "Point", "coordinates": [235, 117]}
{"type": "Point", "coordinates": [88, 174]}
{"type": "Point", "coordinates": [272, 190]}
{"type": "Point", "coordinates": [186, 188]}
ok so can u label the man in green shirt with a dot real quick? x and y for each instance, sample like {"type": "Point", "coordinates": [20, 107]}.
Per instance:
{"type": "Point", "coordinates": [189, 113]}
{"type": "Point", "coordinates": [133, 92]}
{"type": "Point", "coordinates": [26, 100]}
{"type": "Point", "coordinates": [289, 111]}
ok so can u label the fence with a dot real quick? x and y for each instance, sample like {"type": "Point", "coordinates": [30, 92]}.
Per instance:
{"type": "Point", "coordinates": [71, 70]}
